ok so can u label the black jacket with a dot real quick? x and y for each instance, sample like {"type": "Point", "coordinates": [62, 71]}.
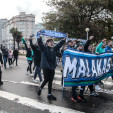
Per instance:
{"type": "Point", "coordinates": [4, 52]}
{"type": "Point", "coordinates": [37, 54]}
{"type": "Point", "coordinates": [87, 45]}
{"type": "Point", "coordinates": [1, 58]}
{"type": "Point", "coordinates": [48, 54]}
{"type": "Point", "coordinates": [29, 51]}
{"type": "Point", "coordinates": [15, 53]}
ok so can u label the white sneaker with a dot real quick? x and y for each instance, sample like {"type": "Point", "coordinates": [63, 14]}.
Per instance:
{"type": "Point", "coordinates": [97, 87]}
{"type": "Point", "coordinates": [27, 73]}
{"type": "Point", "coordinates": [35, 81]}
{"type": "Point", "coordinates": [31, 74]}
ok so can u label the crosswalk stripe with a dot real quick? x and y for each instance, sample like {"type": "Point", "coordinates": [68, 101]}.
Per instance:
{"type": "Point", "coordinates": [35, 104]}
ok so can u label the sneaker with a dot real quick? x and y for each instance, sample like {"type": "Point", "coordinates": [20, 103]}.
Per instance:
{"type": "Point", "coordinates": [75, 99]}
{"type": "Point", "coordinates": [35, 81]}
{"type": "Point", "coordinates": [31, 74]}
{"type": "Point", "coordinates": [81, 97]}
{"type": "Point", "coordinates": [1, 83]}
{"type": "Point", "coordinates": [95, 94]}
{"type": "Point", "coordinates": [97, 87]}
{"type": "Point", "coordinates": [51, 97]}
{"type": "Point", "coordinates": [39, 91]}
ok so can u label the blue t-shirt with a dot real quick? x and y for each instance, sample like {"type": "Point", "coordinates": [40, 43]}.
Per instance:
{"type": "Point", "coordinates": [108, 48]}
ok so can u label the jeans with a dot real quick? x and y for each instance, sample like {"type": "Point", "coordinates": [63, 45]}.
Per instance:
{"type": "Point", "coordinates": [48, 77]}
{"type": "Point", "coordinates": [15, 58]}
{"type": "Point", "coordinates": [38, 71]}
{"type": "Point", "coordinates": [29, 66]}
{"type": "Point", "coordinates": [0, 74]}
{"type": "Point", "coordinates": [5, 61]}
{"type": "Point", "coordinates": [10, 61]}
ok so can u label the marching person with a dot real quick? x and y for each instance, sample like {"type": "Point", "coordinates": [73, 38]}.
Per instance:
{"type": "Point", "coordinates": [29, 56]}
{"type": "Point", "coordinates": [48, 63]}
{"type": "Point", "coordinates": [100, 49]}
{"type": "Point", "coordinates": [10, 56]}
{"type": "Point", "coordinates": [88, 48]}
{"type": "Point", "coordinates": [37, 60]}
{"type": "Point", "coordinates": [5, 55]}
{"type": "Point", "coordinates": [15, 54]}
{"type": "Point", "coordinates": [1, 83]}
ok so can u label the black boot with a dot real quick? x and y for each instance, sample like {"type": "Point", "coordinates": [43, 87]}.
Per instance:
{"type": "Point", "coordinates": [39, 91]}
{"type": "Point", "coordinates": [51, 97]}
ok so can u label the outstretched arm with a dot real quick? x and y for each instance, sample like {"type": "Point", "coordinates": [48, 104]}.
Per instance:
{"type": "Point", "coordinates": [59, 45]}
{"type": "Point", "coordinates": [88, 43]}
{"type": "Point", "coordinates": [40, 43]}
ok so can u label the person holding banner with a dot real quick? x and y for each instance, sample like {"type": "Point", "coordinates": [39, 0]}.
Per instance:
{"type": "Point", "coordinates": [100, 49]}
{"type": "Point", "coordinates": [88, 48]}
{"type": "Point", "coordinates": [109, 49]}
{"type": "Point", "coordinates": [48, 63]}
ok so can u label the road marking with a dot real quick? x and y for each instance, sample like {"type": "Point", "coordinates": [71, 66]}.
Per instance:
{"type": "Point", "coordinates": [35, 104]}
{"type": "Point", "coordinates": [2, 111]}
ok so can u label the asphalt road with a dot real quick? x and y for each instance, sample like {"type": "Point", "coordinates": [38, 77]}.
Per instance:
{"type": "Point", "coordinates": [19, 95]}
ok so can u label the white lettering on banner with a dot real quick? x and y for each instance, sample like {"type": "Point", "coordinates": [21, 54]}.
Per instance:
{"type": "Point", "coordinates": [99, 64]}
{"type": "Point", "coordinates": [70, 67]}
{"type": "Point", "coordinates": [79, 68]}
{"type": "Point", "coordinates": [108, 65]}
{"type": "Point", "coordinates": [94, 71]}
{"type": "Point", "coordinates": [87, 69]}
{"type": "Point", "coordinates": [104, 66]}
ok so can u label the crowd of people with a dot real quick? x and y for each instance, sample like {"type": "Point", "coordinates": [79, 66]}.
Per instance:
{"type": "Point", "coordinates": [7, 55]}
{"type": "Point", "coordinates": [46, 56]}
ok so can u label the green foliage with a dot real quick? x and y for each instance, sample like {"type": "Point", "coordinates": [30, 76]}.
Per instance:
{"type": "Point", "coordinates": [73, 16]}
{"type": "Point", "coordinates": [17, 35]}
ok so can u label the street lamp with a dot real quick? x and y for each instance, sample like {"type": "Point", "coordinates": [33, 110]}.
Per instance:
{"type": "Point", "coordinates": [87, 30]}
{"type": "Point", "coordinates": [112, 37]}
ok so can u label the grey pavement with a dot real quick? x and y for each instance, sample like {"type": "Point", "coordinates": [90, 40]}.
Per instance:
{"type": "Point", "coordinates": [18, 87]}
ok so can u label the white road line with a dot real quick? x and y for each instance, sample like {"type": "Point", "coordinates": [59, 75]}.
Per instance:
{"type": "Point", "coordinates": [35, 104]}
{"type": "Point", "coordinates": [2, 111]}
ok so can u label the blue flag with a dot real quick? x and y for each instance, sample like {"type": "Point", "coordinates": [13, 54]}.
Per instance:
{"type": "Point", "coordinates": [51, 34]}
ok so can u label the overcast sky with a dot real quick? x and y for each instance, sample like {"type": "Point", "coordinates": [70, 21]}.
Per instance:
{"type": "Point", "coordinates": [10, 8]}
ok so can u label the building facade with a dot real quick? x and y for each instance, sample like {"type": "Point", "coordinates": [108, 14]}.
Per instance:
{"type": "Point", "coordinates": [2, 21]}
{"type": "Point", "coordinates": [23, 22]}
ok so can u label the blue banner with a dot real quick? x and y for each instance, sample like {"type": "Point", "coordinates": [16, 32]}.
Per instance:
{"type": "Point", "coordinates": [51, 34]}
{"type": "Point", "coordinates": [82, 69]}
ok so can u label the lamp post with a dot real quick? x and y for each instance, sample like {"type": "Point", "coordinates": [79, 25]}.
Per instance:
{"type": "Point", "coordinates": [87, 30]}
{"type": "Point", "coordinates": [112, 37]}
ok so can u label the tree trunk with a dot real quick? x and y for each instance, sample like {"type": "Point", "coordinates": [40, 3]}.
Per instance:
{"type": "Point", "coordinates": [18, 45]}
{"type": "Point", "coordinates": [14, 43]}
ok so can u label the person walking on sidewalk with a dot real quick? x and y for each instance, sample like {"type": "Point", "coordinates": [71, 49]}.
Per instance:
{"type": "Point", "coordinates": [1, 83]}
{"type": "Point", "coordinates": [15, 54]}
{"type": "Point", "coordinates": [5, 55]}
{"type": "Point", "coordinates": [48, 63]}
{"type": "Point", "coordinates": [29, 56]}
{"type": "Point", "coordinates": [10, 56]}
{"type": "Point", "coordinates": [37, 60]}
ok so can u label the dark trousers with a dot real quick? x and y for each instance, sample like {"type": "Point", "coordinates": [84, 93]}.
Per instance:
{"type": "Point", "coordinates": [48, 77]}
{"type": "Point", "coordinates": [29, 66]}
{"type": "Point", "coordinates": [10, 61]}
{"type": "Point", "coordinates": [0, 74]}
{"type": "Point", "coordinates": [38, 71]}
{"type": "Point", "coordinates": [91, 87]}
{"type": "Point", "coordinates": [5, 61]}
{"type": "Point", "coordinates": [15, 58]}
